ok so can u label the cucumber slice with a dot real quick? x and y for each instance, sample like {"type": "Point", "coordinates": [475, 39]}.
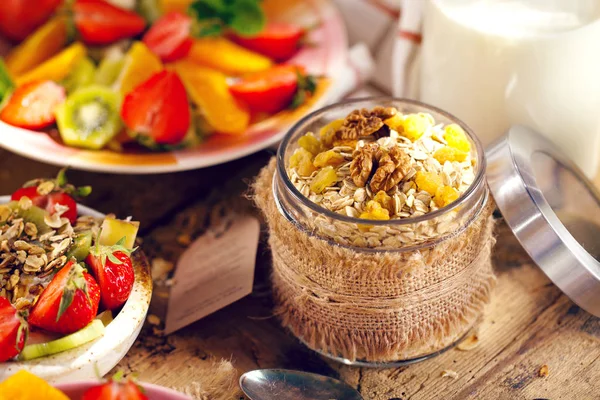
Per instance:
{"type": "Point", "coordinates": [81, 246]}
{"type": "Point", "coordinates": [32, 214]}
{"type": "Point", "coordinates": [114, 230]}
{"type": "Point", "coordinates": [85, 335]}
{"type": "Point", "coordinates": [6, 83]}
{"type": "Point", "coordinates": [106, 317]}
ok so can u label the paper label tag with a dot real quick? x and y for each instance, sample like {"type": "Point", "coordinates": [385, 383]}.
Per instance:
{"type": "Point", "coordinates": [213, 272]}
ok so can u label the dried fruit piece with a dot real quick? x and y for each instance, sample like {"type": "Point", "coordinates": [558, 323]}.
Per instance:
{"type": "Point", "coordinates": [395, 122]}
{"type": "Point", "coordinates": [345, 143]}
{"type": "Point", "coordinates": [448, 153]}
{"type": "Point", "coordinates": [428, 181]}
{"type": "Point", "coordinates": [373, 211]}
{"type": "Point", "coordinates": [449, 373]}
{"type": "Point", "coordinates": [445, 195]}
{"type": "Point", "coordinates": [324, 178]}
{"type": "Point", "coordinates": [310, 143]}
{"type": "Point", "coordinates": [457, 138]}
{"type": "Point", "coordinates": [393, 167]}
{"type": "Point", "coordinates": [302, 160]}
{"type": "Point", "coordinates": [415, 125]}
{"type": "Point", "coordinates": [328, 157]}
{"type": "Point", "coordinates": [544, 371]}
{"type": "Point", "coordinates": [327, 133]}
{"type": "Point", "coordinates": [384, 200]}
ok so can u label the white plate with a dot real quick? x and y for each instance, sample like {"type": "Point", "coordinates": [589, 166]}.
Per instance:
{"type": "Point", "coordinates": [105, 352]}
{"type": "Point", "coordinates": [326, 56]}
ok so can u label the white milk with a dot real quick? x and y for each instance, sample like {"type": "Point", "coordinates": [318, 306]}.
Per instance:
{"type": "Point", "coordinates": [495, 63]}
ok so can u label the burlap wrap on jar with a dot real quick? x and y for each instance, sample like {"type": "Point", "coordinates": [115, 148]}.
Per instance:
{"type": "Point", "coordinates": [377, 306]}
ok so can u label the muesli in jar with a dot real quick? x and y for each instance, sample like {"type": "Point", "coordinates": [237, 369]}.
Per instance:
{"type": "Point", "coordinates": [381, 165]}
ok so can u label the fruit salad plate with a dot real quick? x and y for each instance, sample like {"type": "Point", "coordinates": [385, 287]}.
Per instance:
{"type": "Point", "coordinates": [76, 313]}
{"type": "Point", "coordinates": [237, 106]}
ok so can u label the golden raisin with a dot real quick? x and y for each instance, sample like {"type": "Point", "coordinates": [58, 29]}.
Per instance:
{"type": "Point", "coordinates": [327, 133]}
{"type": "Point", "coordinates": [428, 181]}
{"type": "Point", "coordinates": [384, 200]}
{"type": "Point", "coordinates": [445, 195]}
{"type": "Point", "coordinates": [324, 178]}
{"type": "Point", "coordinates": [448, 153]}
{"type": "Point", "coordinates": [373, 210]}
{"type": "Point", "coordinates": [328, 157]}
{"type": "Point", "coordinates": [415, 125]}
{"type": "Point", "coordinates": [345, 142]}
{"type": "Point", "coordinates": [395, 122]}
{"type": "Point", "coordinates": [310, 143]}
{"type": "Point", "coordinates": [302, 160]}
{"type": "Point", "coordinates": [457, 138]}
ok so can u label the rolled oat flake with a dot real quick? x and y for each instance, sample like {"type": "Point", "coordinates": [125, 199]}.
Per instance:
{"type": "Point", "coordinates": [553, 210]}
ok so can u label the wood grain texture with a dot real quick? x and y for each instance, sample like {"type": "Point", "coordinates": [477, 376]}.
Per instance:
{"type": "Point", "coordinates": [529, 323]}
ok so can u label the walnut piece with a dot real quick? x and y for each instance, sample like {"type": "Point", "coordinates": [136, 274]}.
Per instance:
{"type": "Point", "coordinates": [393, 167]}
{"type": "Point", "coordinates": [360, 123]}
{"type": "Point", "coordinates": [362, 163]}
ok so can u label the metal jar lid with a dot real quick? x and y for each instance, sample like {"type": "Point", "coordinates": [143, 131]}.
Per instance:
{"type": "Point", "coordinates": [553, 210]}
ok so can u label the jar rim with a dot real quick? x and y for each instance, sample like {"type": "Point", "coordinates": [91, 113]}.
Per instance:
{"type": "Point", "coordinates": [464, 197]}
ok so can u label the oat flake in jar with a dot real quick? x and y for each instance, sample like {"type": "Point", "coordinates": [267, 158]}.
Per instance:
{"type": "Point", "coordinates": [381, 230]}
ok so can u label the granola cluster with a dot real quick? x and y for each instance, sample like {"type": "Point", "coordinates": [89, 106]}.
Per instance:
{"type": "Point", "coordinates": [31, 252]}
{"type": "Point", "coordinates": [380, 164]}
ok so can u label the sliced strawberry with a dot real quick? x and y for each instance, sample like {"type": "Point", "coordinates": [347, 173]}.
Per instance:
{"type": "Point", "coordinates": [169, 37]}
{"type": "Point", "coordinates": [158, 109]}
{"type": "Point", "coordinates": [69, 303]}
{"type": "Point", "coordinates": [19, 18]}
{"type": "Point", "coordinates": [13, 330]}
{"type": "Point", "coordinates": [113, 270]}
{"type": "Point", "coordinates": [278, 41]}
{"type": "Point", "coordinates": [272, 90]}
{"type": "Point", "coordinates": [115, 390]}
{"type": "Point", "coordinates": [61, 193]}
{"type": "Point", "coordinates": [32, 105]}
{"type": "Point", "coordinates": [99, 22]}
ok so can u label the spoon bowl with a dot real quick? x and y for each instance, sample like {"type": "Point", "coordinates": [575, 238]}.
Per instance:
{"type": "Point", "coordinates": [282, 384]}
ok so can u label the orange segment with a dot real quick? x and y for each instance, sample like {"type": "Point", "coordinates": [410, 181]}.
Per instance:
{"type": "Point", "coordinates": [226, 56]}
{"type": "Point", "coordinates": [209, 90]}
{"type": "Point", "coordinates": [42, 44]}
{"type": "Point", "coordinates": [25, 386]}
{"type": "Point", "coordinates": [167, 6]}
{"type": "Point", "coordinates": [57, 67]}
{"type": "Point", "coordinates": [140, 64]}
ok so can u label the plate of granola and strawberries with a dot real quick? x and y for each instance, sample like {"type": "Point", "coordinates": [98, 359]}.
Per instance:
{"type": "Point", "coordinates": [74, 289]}
{"type": "Point", "coordinates": [149, 86]}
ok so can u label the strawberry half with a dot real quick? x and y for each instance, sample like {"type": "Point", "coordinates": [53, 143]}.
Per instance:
{"type": "Point", "coordinates": [47, 193]}
{"type": "Point", "coordinates": [32, 105]}
{"type": "Point", "coordinates": [13, 330]}
{"type": "Point", "coordinates": [115, 389]}
{"type": "Point", "coordinates": [113, 270]}
{"type": "Point", "coordinates": [69, 303]}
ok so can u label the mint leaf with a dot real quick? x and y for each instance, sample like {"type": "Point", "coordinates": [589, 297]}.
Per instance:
{"type": "Point", "coordinates": [247, 18]}
{"type": "Point", "coordinates": [209, 28]}
{"type": "Point", "coordinates": [206, 9]}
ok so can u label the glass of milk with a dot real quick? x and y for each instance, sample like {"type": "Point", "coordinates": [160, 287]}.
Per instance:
{"type": "Point", "coordinates": [496, 63]}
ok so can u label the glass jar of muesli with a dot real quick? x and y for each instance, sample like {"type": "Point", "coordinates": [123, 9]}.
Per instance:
{"type": "Point", "coordinates": [381, 230]}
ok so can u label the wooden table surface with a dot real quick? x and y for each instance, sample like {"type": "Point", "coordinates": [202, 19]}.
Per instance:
{"type": "Point", "coordinates": [529, 323]}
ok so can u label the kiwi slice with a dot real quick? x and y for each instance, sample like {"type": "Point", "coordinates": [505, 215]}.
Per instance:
{"type": "Point", "coordinates": [33, 214]}
{"type": "Point", "coordinates": [109, 68]}
{"type": "Point", "coordinates": [81, 246]}
{"type": "Point", "coordinates": [89, 118]}
{"type": "Point", "coordinates": [81, 76]}
{"type": "Point", "coordinates": [6, 83]}
{"type": "Point", "coordinates": [94, 330]}
{"type": "Point", "coordinates": [149, 10]}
